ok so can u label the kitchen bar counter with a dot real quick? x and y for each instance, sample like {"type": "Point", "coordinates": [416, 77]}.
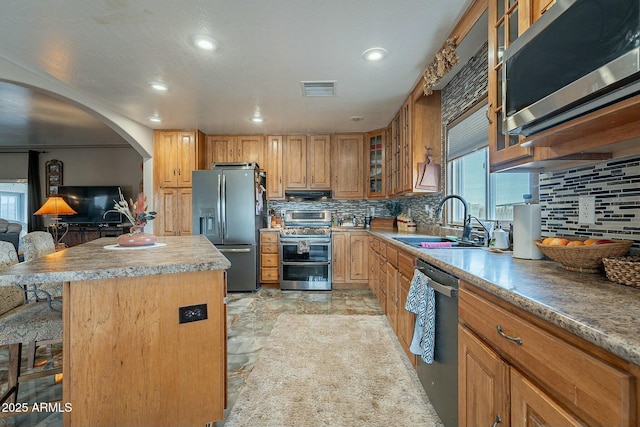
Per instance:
{"type": "Point", "coordinates": [91, 261]}
{"type": "Point", "coordinates": [136, 323]}
{"type": "Point", "coordinates": [604, 313]}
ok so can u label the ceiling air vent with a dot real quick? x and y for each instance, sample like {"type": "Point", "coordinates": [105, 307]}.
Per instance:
{"type": "Point", "coordinates": [319, 88]}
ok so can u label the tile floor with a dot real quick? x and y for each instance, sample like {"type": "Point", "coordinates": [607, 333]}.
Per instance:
{"type": "Point", "coordinates": [250, 318]}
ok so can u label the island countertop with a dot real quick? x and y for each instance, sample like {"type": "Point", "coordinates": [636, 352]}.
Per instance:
{"type": "Point", "coordinates": [91, 261]}
{"type": "Point", "coordinates": [588, 305]}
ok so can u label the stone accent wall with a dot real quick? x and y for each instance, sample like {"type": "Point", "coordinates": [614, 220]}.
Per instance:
{"type": "Point", "coordinates": [615, 184]}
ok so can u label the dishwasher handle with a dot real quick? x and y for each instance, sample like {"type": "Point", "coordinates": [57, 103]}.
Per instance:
{"type": "Point", "coordinates": [445, 290]}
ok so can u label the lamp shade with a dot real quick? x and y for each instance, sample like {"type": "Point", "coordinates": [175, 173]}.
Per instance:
{"type": "Point", "coordinates": [55, 206]}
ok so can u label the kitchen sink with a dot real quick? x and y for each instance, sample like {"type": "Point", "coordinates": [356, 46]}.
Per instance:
{"type": "Point", "coordinates": [418, 240]}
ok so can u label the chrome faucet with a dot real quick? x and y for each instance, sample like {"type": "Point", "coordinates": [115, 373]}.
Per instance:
{"type": "Point", "coordinates": [466, 227]}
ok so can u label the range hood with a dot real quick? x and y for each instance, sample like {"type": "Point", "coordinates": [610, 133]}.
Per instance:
{"type": "Point", "coordinates": [294, 195]}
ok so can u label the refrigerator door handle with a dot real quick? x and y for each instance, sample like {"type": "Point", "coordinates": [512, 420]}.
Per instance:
{"type": "Point", "coordinates": [234, 250]}
{"type": "Point", "coordinates": [224, 206]}
{"type": "Point", "coordinates": [219, 206]}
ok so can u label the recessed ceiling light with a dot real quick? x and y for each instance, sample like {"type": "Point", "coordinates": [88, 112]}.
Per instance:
{"type": "Point", "coordinates": [159, 86]}
{"type": "Point", "coordinates": [257, 119]}
{"type": "Point", "coordinates": [356, 118]}
{"type": "Point", "coordinates": [375, 54]}
{"type": "Point", "coordinates": [155, 119]}
{"type": "Point", "coordinates": [205, 42]}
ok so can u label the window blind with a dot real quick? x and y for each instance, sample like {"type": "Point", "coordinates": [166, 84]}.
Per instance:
{"type": "Point", "coordinates": [469, 135]}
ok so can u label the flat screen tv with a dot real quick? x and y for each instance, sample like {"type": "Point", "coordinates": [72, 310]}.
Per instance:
{"type": "Point", "coordinates": [91, 203]}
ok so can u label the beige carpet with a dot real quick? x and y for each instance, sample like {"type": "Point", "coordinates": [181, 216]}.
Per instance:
{"type": "Point", "coordinates": [329, 370]}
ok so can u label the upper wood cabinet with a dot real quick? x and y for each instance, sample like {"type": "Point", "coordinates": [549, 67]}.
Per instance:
{"type": "Point", "coordinates": [347, 168]}
{"type": "Point", "coordinates": [176, 154]}
{"type": "Point", "coordinates": [307, 162]}
{"type": "Point", "coordinates": [508, 19]}
{"type": "Point", "coordinates": [273, 167]}
{"type": "Point", "coordinates": [415, 129]}
{"type": "Point", "coordinates": [376, 175]}
{"type": "Point", "coordinates": [235, 148]}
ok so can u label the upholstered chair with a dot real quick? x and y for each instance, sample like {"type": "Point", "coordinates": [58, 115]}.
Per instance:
{"type": "Point", "coordinates": [22, 323]}
{"type": "Point", "coordinates": [37, 244]}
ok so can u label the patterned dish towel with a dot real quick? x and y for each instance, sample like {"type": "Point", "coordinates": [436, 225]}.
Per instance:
{"type": "Point", "coordinates": [304, 246]}
{"type": "Point", "coordinates": [421, 301]}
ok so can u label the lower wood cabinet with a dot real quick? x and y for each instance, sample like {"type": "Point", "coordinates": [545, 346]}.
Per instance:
{"type": "Point", "coordinates": [522, 371]}
{"type": "Point", "coordinates": [174, 212]}
{"type": "Point", "coordinates": [270, 257]}
{"type": "Point", "coordinates": [349, 256]}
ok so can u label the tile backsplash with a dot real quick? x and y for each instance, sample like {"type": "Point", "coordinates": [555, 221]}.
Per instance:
{"type": "Point", "coordinates": [614, 184]}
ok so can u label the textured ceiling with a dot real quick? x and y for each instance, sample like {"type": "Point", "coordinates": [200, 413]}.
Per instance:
{"type": "Point", "coordinates": [108, 51]}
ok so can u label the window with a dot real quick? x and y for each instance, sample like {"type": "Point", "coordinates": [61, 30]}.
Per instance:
{"type": "Point", "coordinates": [491, 196]}
{"type": "Point", "coordinates": [13, 202]}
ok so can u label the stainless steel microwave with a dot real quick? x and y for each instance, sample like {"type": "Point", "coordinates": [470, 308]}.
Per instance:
{"type": "Point", "coordinates": [581, 55]}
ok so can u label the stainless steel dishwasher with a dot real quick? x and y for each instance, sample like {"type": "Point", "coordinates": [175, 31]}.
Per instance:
{"type": "Point", "coordinates": [440, 379]}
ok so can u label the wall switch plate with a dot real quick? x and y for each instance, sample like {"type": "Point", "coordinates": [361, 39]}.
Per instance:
{"type": "Point", "coordinates": [192, 313]}
{"type": "Point", "coordinates": [587, 210]}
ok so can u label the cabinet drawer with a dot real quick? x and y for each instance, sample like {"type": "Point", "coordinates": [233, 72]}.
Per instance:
{"type": "Point", "coordinates": [269, 248]}
{"type": "Point", "coordinates": [269, 260]}
{"type": "Point", "coordinates": [406, 264]}
{"type": "Point", "coordinates": [269, 237]}
{"type": "Point", "coordinates": [392, 255]}
{"type": "Point", "coordinates": [269, 275]}
{"type": "Point", "coordinates": [586, 385]}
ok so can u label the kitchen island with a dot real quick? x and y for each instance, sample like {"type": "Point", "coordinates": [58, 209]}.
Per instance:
{"type": "Point", "coordinates": [144, 339]}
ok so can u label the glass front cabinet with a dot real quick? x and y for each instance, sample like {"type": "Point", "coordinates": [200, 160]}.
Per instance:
{"type": "Point", "coordinates": [376, 185]}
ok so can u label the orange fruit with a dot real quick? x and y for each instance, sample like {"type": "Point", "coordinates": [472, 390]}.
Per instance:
{"type": "Point", "coordinates": [575, 243]}
{"type": "Point", "coordinates": [547, 241]}
{"type": "Point", "coordinates": [590, 241]}
{"type": "Point", "coordinates": [559, 241]}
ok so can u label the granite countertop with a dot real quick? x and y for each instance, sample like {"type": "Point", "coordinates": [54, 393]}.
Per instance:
{"type": "Point", "coordinates": [91, 261]}
{"type": "Point", "coordinates": [604, 313]}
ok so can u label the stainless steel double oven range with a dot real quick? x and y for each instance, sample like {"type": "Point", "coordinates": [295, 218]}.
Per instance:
{"type": "Point", "coordinates": [305, 250]}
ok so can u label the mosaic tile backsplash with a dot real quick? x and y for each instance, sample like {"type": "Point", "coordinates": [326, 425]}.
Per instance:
{"type": "Point", "coordinates": [615, 184]}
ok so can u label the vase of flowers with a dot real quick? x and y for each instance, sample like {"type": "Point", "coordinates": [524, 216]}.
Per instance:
{"type": "Point", "coordinates": [136, 213]}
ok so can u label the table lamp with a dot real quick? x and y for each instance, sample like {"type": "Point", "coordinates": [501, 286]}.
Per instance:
{"type": "Point", "coordinates": [56, 206]}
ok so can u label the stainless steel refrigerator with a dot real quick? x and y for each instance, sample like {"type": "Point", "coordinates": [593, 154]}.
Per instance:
{"type": "Point", "coordinates": [229, 203]}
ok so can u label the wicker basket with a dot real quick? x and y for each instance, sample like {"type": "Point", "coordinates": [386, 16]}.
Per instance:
{"type": "Point", "coordinates": [623, 270]}
{"type": "Point", "coordinates": [585, 259]}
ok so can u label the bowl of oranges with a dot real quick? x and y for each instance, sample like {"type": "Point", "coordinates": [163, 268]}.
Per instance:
{"type": "Point", "coordinates": [583, 255]}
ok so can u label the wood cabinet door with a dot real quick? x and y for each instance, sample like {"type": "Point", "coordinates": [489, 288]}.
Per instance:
{"type": "Point", "coordinates": [359, 248]}
{"type": "Point", "coordinates": [531, 407]}
{"type": "Point", "coordinates": [165, 147]}
{"type": "Point", "coordinates": [392, 297]}
{"type": "Point", "coordinates": [406, 319]}
{"type": "Point", "coordinates": [219, 149]}
{"type": "Point", "coordinates": [174, 212]}
{"type": "Point", "coordinates": [187, 157]}
{"type": "Point", "coordinates": [251, 149]}
{"type": "Point", "coordinates": [483, 383]}
{"type": "Point", "coordinates": [373, 269]}
{"type": "Point", "coordinates": [183, 209]}
{"type": "Point", "coordinates": [295, 161]}
{"type": "Point", "coordinates": [406, 162]}
{"type": "Point", "coordinates": [319, 161]}
{"type": "Point", "coordinates": [340, 252]}
{"type": "Point", "coordinates": [165, 222]}
{"type": "Point", "coordinates": [273, 168]}
{"type": "Point", "coordinates": [347, 167]}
